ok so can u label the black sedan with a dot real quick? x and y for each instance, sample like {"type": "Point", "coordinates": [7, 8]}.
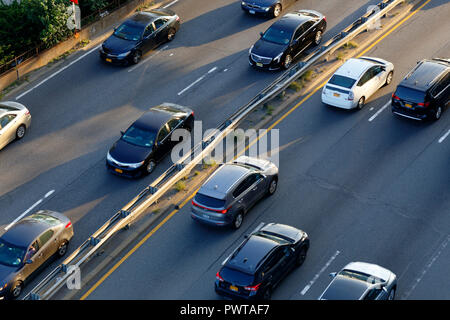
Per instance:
{"type": "Point", "coordinates": [258, 265]}
{"type": "Point", "coordinates": [142, 32]}
{"type": "Point", "coordinates": [270, 8]}
{"type": "Point", "coordinates": [27, 247]}
{"type": "Point", "coordinates": [286, 39]}
{"type": "Point", "coordinates": [148, 140]}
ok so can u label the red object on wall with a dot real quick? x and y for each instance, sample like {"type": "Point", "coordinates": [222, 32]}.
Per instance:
{"type": "Point", "coordinates": [74, 1]}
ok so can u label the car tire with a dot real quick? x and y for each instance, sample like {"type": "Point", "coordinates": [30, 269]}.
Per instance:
{"type": "Point", "coordinates": [287, 61]}
{"type": "Point", "coordinates": [277, 10]}
{"type": "Point", "coordinates": [237, 221]}
{"type": "Point", "coordinates": [62, 249]}
{"type": "Point", "coordinates": [16, 289]}
{"type": "Point", "coordinates": [391, 294]}
{"type": "Point", "coordinates": [360, 104]}
{"type": "Point", "coordinates": [318, 38]}
{"type": "Point", "coordinates": [301, 256]}
{"type": "Point", "coordinates": [150, 166]}
{"type": "Point", "coordinates": [20, 132]}
{"type": "Point", "coordinates": [137, 55]}
{"type": "Point", "coordinates": [272, 186]}
{"type": "Point", "coordinates": [171, 34]}
{"type": "Point", "coordinates": [437, 113]}
{"type": "Point", "coordinates": [267, 294]}
{"type": "Point", "coordinates": [389, 78]}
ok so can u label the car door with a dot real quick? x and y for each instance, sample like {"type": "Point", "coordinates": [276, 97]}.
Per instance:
{"type": "Point", "coordinates": [297, 40]}
{"type": "Point", "coordinates": [376, 293]}
{"type": "Point", "coordinates": [161, 30]}
{"type": "Point", "coordinates": [174, 123]}
{"type": "Point", "coordinates": [162, 143]}
{"type": "Point", "coordinates": [278, 269]}
{"type": "Point", "coordinates": [368, 83]}
{"type": "Point", "coordinates": [33, 260]}
{"type": "Point", "coordinates": [441, 93]}
{"type": "Point", "coordinates": [48, 245]}
{"type": "Point", "coordinates": [7, 132]}
{"type": "Point", "coordinates": [242, 195]}
{"type": "Point", "coordinates": [149, 38]}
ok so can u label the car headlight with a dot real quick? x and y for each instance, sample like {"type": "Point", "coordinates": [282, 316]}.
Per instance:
{"type": "Point", "coordinates": [3, 287]}
{"type": "Point", "coordinates": [266, 9]}
{"type": "Point", "coordinates": [108, 156]}
{"type": "Point", "coordinates": [123, 55]}
{"type": "Point", "coordinates": [135, 165]}
{"type": "Point", "coordinates": [250, 50]}
{"type": "Point", "coordinates": [243, 3]}
{"type": "Point", "coordinates": [278, 57]}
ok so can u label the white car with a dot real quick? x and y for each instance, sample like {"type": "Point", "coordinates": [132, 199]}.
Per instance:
{"type": "Point", "coordinates": [15, 119]}
{"type": "Point", "coordinates": [355, 81]}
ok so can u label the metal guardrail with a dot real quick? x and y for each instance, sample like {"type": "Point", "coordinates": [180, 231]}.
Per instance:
{"type": "Point", "coordinates": [58, 277]}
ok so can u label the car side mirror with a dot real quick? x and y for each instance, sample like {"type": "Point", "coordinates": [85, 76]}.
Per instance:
{"type": "Point", "coordinates": [333, 274]}
{"type": "Point", "coordinates": [122, 133]}
{"type": "Point", "coordinates": [28, 261]}
{"type": "Point", "coordinates": [383, 68]}
{"type": "Point", "coordinates": [261, 34]}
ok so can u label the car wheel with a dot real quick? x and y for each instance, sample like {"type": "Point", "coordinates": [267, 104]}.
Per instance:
{"type": "Point", "coordinates": [287, 61]}
{"type": "Point", "coordinates": [136, 57]}
{"type": "Point", "coordinates": [272, 186]}
{"type": "Point", "coordinates": [389, 78]}
{"type": "Point", "coordinates": [62, 249]}
{"type": "Point", "coordinates": [267, 294]}
{"type": "Point", "coordinates": [301, 256]}
{"type": "Point", "coordinates": [318, 38]}
{"type": "Point", "coordinates": [150, 166]}
{"type": "Point", "coordinates": [391, 294]}
{"type": "Point", "coordinates": [20, 132]}
{"type": "Point", "coordinates": [277, 10]}
{"type": "Point", "coordinates": [16, 289]}
{"type": "Point", "coordinates": [438, 113]}
{"type": "Point", "coordinates": [360, 104]}
{"type": "Point", "coordinates": [237, 222]}
{"type": "Point", "coordinates": [171, 34]}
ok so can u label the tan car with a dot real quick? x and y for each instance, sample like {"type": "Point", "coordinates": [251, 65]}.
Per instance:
{"type": "Point", "coordinates": [15, 120]}
{"type": "Point", "coordinates": [28, 246]}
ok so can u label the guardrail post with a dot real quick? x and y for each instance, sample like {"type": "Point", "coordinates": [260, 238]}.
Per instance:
{"type": "Point", "coordinates": [34, 296]}
{"type": "Point", "coordinates": [152, 190]}
{"type": "Point", "coordinates": [180, 166]}
{"type": "Point", "coordinates": [93, 241]}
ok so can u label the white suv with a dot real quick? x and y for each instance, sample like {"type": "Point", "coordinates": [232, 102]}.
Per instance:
{"type": "Point", "coordinates": [355, 81]}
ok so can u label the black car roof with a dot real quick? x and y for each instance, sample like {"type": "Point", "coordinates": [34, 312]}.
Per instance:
{"type": "Point", "coordinates": [24, 232]}
{"type": "Point", "coordinates": [291, 21]}
{"type": "Point", "coordinates": [424, 74]}
{"type": "Point", "coordinates": [155, 117]}
{"type": "Point", "coordinates": [142, 18]}
{"type": "Point", "coordinates": [250, 255]}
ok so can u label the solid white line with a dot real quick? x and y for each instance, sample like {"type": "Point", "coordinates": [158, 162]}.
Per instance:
{"type": "Point", "coordinates": [57, 72]}
{"type": "Point", "coordinates": [379, 111]}
{"type": "Point", "coordinates": [168, 5]}
{"type": "Point", "coordinates": [306, 288]}
{"type": "Point", "coordinates": [444, 136]}
{"type": "Point", "coordinates": [196, 81]}
{"type": "Point", "coordinates": [23, 214]}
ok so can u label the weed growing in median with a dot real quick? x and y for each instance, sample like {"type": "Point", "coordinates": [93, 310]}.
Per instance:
{"type": "Point", "coordinates": [180, 186]}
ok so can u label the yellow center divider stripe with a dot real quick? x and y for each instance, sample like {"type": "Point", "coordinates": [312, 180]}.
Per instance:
{"type": "Point", "coordinates": [253, 142]}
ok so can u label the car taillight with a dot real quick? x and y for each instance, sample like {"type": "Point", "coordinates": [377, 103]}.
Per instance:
{"type": "Point", "coordinates": [426, 104]}
{"type": "Point", "coordinates": [192, 113]}
{"type": "Point", "coordinates": [253, 288]}
{"type": "Point", "coordinates": [395, 97]}
{"type": "Point", "coordinates": [223, 211]}
{"type": "Point", "coordinates": [27, 112]}
{"type": "Point", "coordinates": [178, 18]}
{"type": "Point", "coordinates": [351, 96]}
{"type": "Point", "coordinates": [210, 209]}
{"type": "Point", "coordinates": [324, 18]}
{"type": "Point", "coordinates": [68, 225]}
{"type": "Point", "coordinates": [218, 277]}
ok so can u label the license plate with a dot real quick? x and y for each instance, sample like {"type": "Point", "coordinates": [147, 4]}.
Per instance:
{"type": "Point", "coordinates": [251, 11]}
{"type": "Point", "coordinates": [408, 105]}
{"type": "Point", "coordinates": [259, 64]}
{"type": "Point", "coordinates": [118, 170]}
{"type": "Point", "coordinates": [233, 288]}
{"type": "Point", "coordinates": [108, 60]}
{"type": "Point", "coordinates": [336, 94]}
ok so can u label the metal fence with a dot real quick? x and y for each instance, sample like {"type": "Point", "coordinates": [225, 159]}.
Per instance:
{"type": "Point", "coordinates": [58, 277]}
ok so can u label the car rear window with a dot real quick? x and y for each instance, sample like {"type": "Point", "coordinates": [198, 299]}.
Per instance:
{"type": "Point", "coordinates": [342, 81]}
{"type": "Point", "coordinates": [236, 276]}
{"type": "Point", "coordinates": [208, 201]}
{"type": "Point", "coordinates": [409, 94]}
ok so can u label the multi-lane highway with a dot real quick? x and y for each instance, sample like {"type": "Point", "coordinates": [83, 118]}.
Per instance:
{"type": "Point", "coordinates": [370, 188]}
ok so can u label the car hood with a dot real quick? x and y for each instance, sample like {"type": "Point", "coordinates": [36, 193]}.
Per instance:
{"type": "Point", "coordinates": [268, 49]}
{"type": "Point", "coordinates": [125, 152]}
{"type": "Point", "coordinates": [6, 273]}
{"type": "Point", "coordinates": [118, 45]}
{"type": "Point", "coordinates": [262, 3]}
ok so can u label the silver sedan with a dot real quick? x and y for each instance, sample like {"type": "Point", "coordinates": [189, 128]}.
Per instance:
{"type": "Point", "coordinates": [15, 120]}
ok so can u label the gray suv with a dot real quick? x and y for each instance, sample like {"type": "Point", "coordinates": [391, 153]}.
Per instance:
{"type": "Point", "coordinates": [232, 190]}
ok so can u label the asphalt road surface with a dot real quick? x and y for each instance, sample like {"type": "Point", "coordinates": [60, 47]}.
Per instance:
{"type": "Point", "coordinates": [370, 186]}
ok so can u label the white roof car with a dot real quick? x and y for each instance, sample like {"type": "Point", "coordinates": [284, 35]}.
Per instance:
{"type": "Point", "coordinates": [355, 81]}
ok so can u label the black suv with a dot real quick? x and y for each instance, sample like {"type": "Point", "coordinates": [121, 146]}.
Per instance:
{"type": "Point", "coordinates": [424, 92]}
{"type": "Point", "coordinates": [286, 39]}
{"type": "Point", "coordinates": [266, 256]}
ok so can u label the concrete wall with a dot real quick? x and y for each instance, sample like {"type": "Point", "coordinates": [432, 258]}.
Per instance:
{"type": "Point", "coordinates": [96, 31]}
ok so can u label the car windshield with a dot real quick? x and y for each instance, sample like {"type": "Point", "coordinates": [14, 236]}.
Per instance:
{"type": "Point", "coordinates": [139, 137]}
{"type": "Point", "coordinates": [342, 81]}
{"type": "Point", "coordinates": [277, 36]}
{"type": "Point", "coordinates": [11, 255]}
{"type": "Point", "coordinates": [409, 94]}
{"type": "Point", "coordinates": [128, 32]}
